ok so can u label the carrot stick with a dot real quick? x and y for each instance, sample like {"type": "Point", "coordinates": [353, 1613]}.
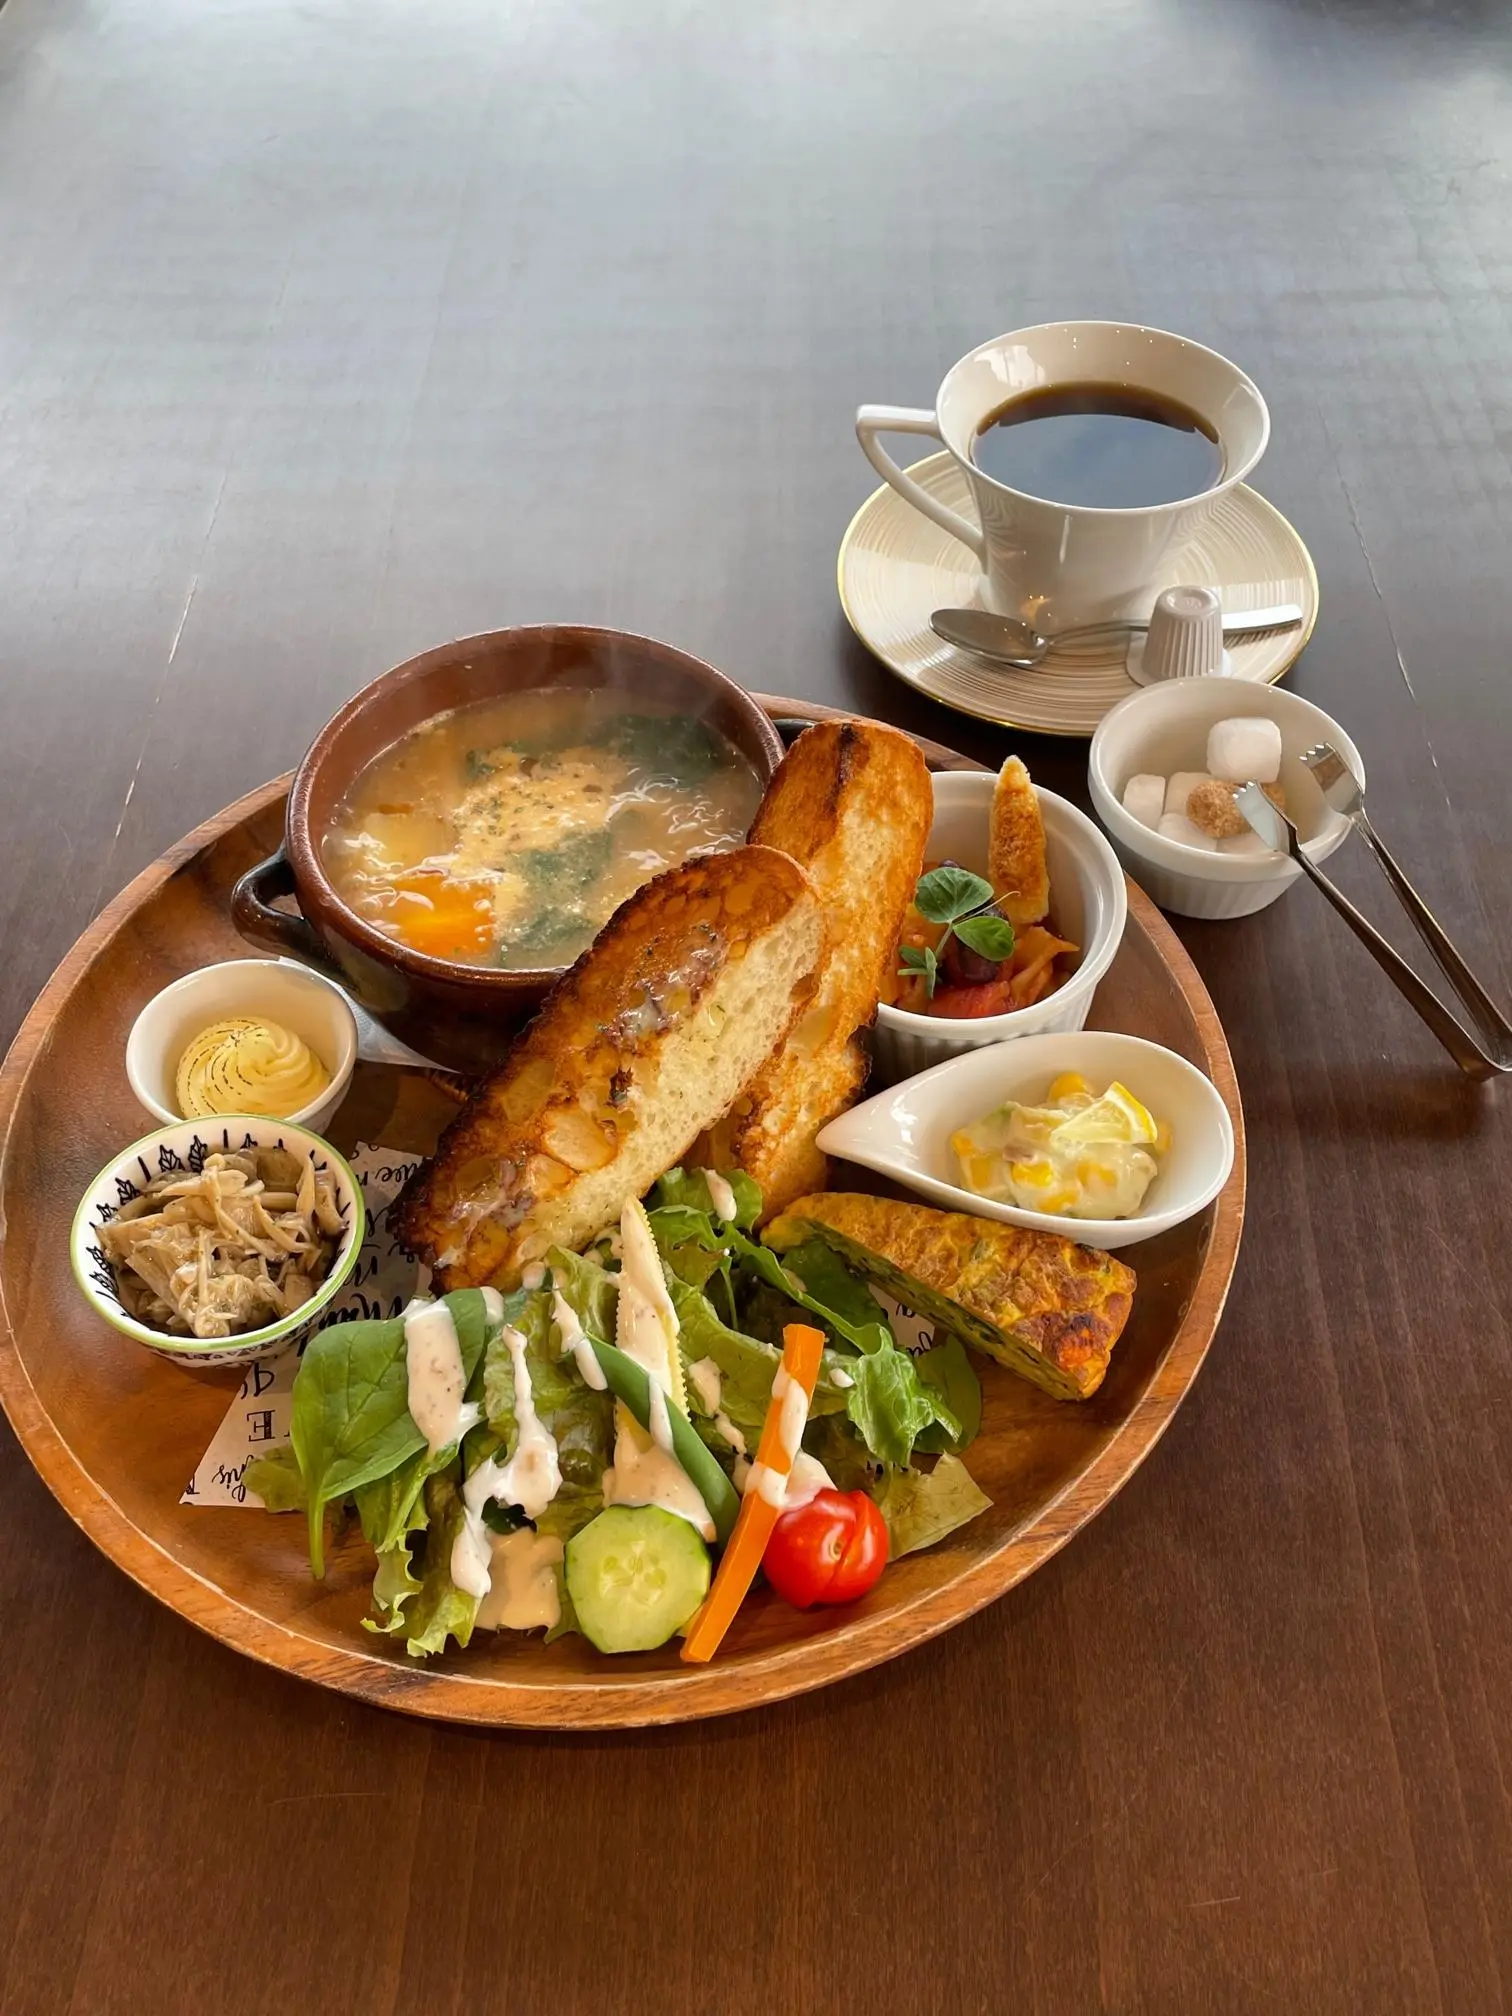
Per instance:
{"type": "Point", "coordinates": [761, 1507]}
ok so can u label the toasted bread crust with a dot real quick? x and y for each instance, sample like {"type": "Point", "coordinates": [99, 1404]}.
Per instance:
{"type": "Point", "coordinates": [852, 801]}
{"type": "Point", "coordinates": [1016, 848]}
{"type": "Point", "coordinates": [628, 1059]}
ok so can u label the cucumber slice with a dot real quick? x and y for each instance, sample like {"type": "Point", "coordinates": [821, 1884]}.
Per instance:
{"type": "Point", "coordinates": [635, 1575]}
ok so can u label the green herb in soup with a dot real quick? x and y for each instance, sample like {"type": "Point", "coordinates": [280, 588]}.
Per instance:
{"type": "Point", "coordinates": [506, 833]}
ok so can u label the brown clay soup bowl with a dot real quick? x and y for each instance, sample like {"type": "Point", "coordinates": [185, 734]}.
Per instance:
{"type": "Point", "coordinates": [460, 1015]}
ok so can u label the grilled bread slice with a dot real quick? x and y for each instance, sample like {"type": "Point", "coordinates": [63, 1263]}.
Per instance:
{"type": "Point", "coordinates": [851, 801]}
{"type": "Point", "coordinates": [1045, 1307]}
{"type": "Point", "coordinates": [1016, 848]}
{"type": "Point", "coordinates": [671, 1011]}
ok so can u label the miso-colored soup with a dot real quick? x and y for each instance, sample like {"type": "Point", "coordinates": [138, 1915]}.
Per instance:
{"type": "Point", "coordinates": [506, 833]}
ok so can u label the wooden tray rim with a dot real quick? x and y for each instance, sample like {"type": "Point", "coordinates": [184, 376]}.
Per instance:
{"type": "Point", "coordinates": [640, 1700]}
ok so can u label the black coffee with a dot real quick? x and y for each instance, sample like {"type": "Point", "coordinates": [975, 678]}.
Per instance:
{"type": "Point", "coordinates": [1102, 445]}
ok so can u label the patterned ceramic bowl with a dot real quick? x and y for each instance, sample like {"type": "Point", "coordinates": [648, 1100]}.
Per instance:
{"type": "Point", "coordinates": [184, 1148]}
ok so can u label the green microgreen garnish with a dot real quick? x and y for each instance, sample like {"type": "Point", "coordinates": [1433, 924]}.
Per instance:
{"type": "Point", "coordinates": [962, 902]}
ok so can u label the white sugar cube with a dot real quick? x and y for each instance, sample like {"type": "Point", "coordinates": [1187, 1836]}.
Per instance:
{"type": "Point", "coordinates": [1144, 799]}
{"type": "Point", "coordinates": [1246, 749]}
{"type": "Point", "coordinates": [1181, 787]}
{"type": "Point", "coordinates": [1177, 826]}
{"type": "Point", "coordinates": [1244, 843]}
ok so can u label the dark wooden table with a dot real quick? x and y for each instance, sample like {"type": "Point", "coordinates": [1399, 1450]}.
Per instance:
{"type": "Point", "coordinates": [328, 331]}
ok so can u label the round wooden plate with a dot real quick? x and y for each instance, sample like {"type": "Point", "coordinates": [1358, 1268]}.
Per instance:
{"type": "Point", "coordinates": [115, 1433]}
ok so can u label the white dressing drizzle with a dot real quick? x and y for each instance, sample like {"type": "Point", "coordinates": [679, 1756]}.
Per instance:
{"type": "Point", "coordinates": [766, 1483]}
{"type": "Point", "coordinates": [721, 1196]}
{"type": "Point", "coordinates": [708, 1383]}
{"type": "Point", "coordinates": [841, 1378]}
{"type": "Point", "coordinates": [806, 1480]}
{"type": "Point", "coordinates": [661, 1421]}
{"type": "Point", "coordinates": [471, 1554]}
{"type": "Point", "coordinates": [644, 1474]}
{"type": "Point", "coordinates": [530, 1479]}
{"type": "Point", "coordinates": [793, 1401]}
{"type": "Point", "coordinates": [523, 1592]}
{"type": "Point", "coordinates": [493, 1306]}
{"type": "Point", "coordinates": [434, 1375]}
{"type": "Point", "coordinates": [574, 1340]}
{"type": "Point", "coordinates": [730, 1432]}
{"type": "Point", "coordinates": [534, 1276]}
{"type": "Point", "coordinates": [533, 1476]}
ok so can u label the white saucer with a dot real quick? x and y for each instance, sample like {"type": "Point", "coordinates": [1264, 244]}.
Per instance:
{"type": "Point", "coordinates": [896, 566]}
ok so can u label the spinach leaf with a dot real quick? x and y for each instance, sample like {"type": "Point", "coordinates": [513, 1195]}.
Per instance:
{"type": "Point", "coordinates": [350, 1424]}
{"type": "Point", "coordinates": [678, 747]}
{"type": "Point", "coordinates": [921, 1509]}
{"type": "Point", "coordinates": [951, 1374]}
{"type": "Point", "coordinates": [831, 1286]}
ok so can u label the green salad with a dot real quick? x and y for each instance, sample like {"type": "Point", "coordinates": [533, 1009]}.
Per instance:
{"type": "Point", "coordinates": [577, 1455]}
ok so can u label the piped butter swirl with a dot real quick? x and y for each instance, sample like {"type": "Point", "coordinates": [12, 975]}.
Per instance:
{"type": "Point", "coordinates": [246, 1065]}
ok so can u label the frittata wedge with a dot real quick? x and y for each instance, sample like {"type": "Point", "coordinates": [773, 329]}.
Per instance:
{"type": "Point", "coordinates": [1045, 1307]}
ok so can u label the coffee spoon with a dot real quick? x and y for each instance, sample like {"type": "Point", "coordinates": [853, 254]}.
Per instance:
{"type": "Point", "coordinates": [1010, 642]}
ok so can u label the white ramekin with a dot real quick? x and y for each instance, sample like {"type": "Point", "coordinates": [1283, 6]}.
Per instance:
{"type": "Point", "coordinates": [314, 1008]}
{"type": "Point", "coordinates": [1088, 903]}
{"type": "Point", "coordinates": [1163, 729]}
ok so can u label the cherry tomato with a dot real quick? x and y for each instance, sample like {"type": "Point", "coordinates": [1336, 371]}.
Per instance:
{"type": "Point", "coordinates": [993, 997]}
{"type": "Point", "coordinates": [830, 1550]}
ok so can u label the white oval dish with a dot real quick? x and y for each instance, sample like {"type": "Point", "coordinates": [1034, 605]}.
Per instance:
{"type": "Point", "coordinates": [184, 1146]}
{"type": "Point", "coordinates": [1164, 729]}
{"type": "Point", "coordinates": [314, 1008]}
{"type": "Point", "coordinates": [905, 1133]}
{"type": "Point", "coordinates": [1088, 901]}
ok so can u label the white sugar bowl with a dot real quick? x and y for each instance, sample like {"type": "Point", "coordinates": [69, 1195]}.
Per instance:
{"type": "Point", "coordinates": [1163, 730]}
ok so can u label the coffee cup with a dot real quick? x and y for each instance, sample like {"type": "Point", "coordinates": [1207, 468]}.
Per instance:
{"type": "Point", "coordinates": [1054, 564]}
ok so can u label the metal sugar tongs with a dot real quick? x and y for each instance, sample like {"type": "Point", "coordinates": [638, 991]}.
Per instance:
{"type": "Point", "coordinates": [1345, 793]}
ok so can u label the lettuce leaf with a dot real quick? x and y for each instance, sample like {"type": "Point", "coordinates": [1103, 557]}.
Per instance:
{"type": "Point", "coordinates": [570, 1511]}
{"type": "Point", "coordinates": [833, 1440]}
{"type": "Point", "coordinates": [951, 1374]}
{"type": "Point", "coordinates": [418, 1596]}
{"type": "Point", "coordinates": [920, 1509]}
{"type": "Point", "coordinates": [276, 1480]}
{"type": "Point", "coordinates": [580, 1419]}
{"type": "Point", "coordinates": [590, 1291]}
{"type": "Point", "coordinates": [689, 1188]}
{"type": "Point", "coordinates": [350, 1423]}
{"type": "Point", "coordinates": [891, 1406]}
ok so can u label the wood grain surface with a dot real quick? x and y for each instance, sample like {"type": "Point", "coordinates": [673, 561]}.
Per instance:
{"type": "Point", "coordinates": [328, 331]}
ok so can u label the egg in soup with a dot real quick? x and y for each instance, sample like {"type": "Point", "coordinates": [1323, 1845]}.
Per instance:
{"type": "Point", "coordinates": [506, 833]}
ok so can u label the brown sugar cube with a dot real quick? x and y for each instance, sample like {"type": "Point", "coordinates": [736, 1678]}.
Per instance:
{"type": "Point", "coordinates": [1211, 807]}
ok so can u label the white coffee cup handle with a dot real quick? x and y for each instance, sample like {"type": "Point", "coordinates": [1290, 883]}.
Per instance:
{"type": "Point", "coordinates": [874, 420]}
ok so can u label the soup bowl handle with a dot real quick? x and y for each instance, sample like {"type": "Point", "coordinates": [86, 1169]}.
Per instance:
{"type": "Point", "coordinates": [260, 924]}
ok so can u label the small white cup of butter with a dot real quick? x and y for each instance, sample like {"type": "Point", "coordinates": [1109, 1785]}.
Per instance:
{"type": "Point", "coordinates": [301, 1001]}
